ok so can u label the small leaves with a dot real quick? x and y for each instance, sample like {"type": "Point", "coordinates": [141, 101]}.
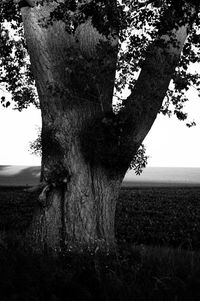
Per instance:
{"type": "Point", "coordinates": [16, 76]}
{"type": "Point", "coordinates": [36, 145]}
{"type": "Point", "coordinates": [136, 23]}
{"type": "Point", "coordinates": [5, 103]}
{"type": "Point", "coordinates": [191, 124]}
{"type": "Point", "coordinates": [180, 115]}
{"type": "Point", "coordinates": [139, 161]}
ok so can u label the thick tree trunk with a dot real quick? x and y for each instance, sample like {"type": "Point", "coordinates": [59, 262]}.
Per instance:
{"type": "Point", "coordinates": [75, 86]}
{"type": "Point", "coordinates": [86, 149]}
{"type": "Point", "coordinates": [79, 190]}
{"type": "Point", "coordinates": [76, 215]}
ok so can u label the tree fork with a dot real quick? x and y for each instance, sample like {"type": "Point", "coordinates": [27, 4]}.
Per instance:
{"type": "Point", "coordinates": [75, 85]}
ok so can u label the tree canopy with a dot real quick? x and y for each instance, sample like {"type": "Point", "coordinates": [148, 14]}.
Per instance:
{"type": "Point", "coordinates": [134, 24]}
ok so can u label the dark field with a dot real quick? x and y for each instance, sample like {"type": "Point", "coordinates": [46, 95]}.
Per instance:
{"type": "Point", "coordinates": [167, 216]}
{"type": "Point", "coordinates": [162, 216]}
{"type": "Point", "coordinates": [158, 234]}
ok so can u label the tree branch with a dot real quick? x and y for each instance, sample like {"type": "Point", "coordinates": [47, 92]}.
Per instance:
{"type": "Point", "coordinates": [146, 98]}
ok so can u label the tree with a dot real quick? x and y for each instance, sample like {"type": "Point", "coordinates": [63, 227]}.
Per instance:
{"type": "Point", "coordinates": [75, 49]}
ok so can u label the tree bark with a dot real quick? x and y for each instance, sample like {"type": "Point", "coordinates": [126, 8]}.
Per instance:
{"type": "Point", "coordinates": [77, 216]}
{"type": "Point", "coordinates": [86, 149]}
{"type": "Point", "coordinates": [75, 86]}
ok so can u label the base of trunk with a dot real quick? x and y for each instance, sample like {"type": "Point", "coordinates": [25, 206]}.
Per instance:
{"type": "Point", "coordinates": [75, 220]}
{"type": "Point", "coordinates": [45, 232]}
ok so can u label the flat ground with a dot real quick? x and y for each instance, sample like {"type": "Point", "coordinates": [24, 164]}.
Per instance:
{"type": "Point", "coordinates": [158, 233]}
{"type": "Point", "coordinates": [159, 216]}
{"type": "Point", "coordinates": [166, 216]}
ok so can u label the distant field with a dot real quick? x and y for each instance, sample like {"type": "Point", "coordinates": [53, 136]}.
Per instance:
{"type": "Point", "coordinates": [164, 216]}
{"type": "Point", "coordinates": [167, 216]}
{"type": "Point", "coordinates": [12, 175]}
{"type": "Point", "coordinates": [164, 176]}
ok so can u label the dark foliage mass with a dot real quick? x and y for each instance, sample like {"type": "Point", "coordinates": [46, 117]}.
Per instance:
{"type": "Point", "coordinates": [16, 76]}
{"type": "Point", "coordinates": [162, 216]}
{"type": "Point", "coordinates": [136, 23]}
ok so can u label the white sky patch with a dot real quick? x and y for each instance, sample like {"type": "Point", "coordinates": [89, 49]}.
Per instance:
{"type": "Point", "coordinates": [171, 143]}
{"type": "Point", "coordinates": [17, 130]}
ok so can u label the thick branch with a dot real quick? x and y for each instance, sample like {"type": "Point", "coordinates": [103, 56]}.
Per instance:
{"type": "Point", "coordinates": [70, 66]}
{"type": "Point", "coordinates": [163, 55]}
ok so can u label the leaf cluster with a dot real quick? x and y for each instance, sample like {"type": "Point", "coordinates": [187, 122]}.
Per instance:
{"type": "Point", "coordinates": [137, 24]}
{"type": "Point", "coordinates": [16, 76]}
{"type": "Point", "coordinates": [139, 161]}
{"type": "Point", "coordinates": [104, 14]}
{"type": "Point", "coordinates": [143, 24]}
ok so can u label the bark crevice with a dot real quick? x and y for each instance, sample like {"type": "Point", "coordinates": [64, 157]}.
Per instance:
{"type": "Point", "coordinates": [86, 147]}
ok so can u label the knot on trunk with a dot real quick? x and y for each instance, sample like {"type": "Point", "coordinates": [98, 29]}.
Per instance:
{"type": "Point", "coordinates": [43, 197]}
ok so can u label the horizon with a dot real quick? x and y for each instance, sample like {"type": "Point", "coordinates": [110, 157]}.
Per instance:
{"type": "Point", "coordinates": [26, 175]}
{"type": "Point", "coordinates": [39, 165]}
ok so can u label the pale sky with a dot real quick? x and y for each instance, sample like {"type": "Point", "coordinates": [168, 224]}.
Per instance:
{"type": "Point", "coordinates": [169, 143]}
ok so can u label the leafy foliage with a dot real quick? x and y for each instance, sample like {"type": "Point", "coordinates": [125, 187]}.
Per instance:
{"type": "Point", "coordinates": [136, 23]}
{"type": "Point", "coordinates": [145, 20]}
{"type": "Point", "coordinates": [36, 145]}
{"type": "Point", "coordinates": [16, 76]}
{"type": "Point", "coordinates": [139, 161]}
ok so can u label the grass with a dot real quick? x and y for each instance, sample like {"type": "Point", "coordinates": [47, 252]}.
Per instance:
{"type": "Point", "coordinates": [158, 233]}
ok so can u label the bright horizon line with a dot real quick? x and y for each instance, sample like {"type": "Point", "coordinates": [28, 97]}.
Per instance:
{"type": "Point", "coordinates": [128, 169]}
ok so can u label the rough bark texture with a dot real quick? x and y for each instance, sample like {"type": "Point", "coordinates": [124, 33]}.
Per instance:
{"type": "Point", "coordinates": [77, 205]}
{"type": "Point", "coordinates": [85, 151]}
{"type": "Point", "coordinates": [78, 216]}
